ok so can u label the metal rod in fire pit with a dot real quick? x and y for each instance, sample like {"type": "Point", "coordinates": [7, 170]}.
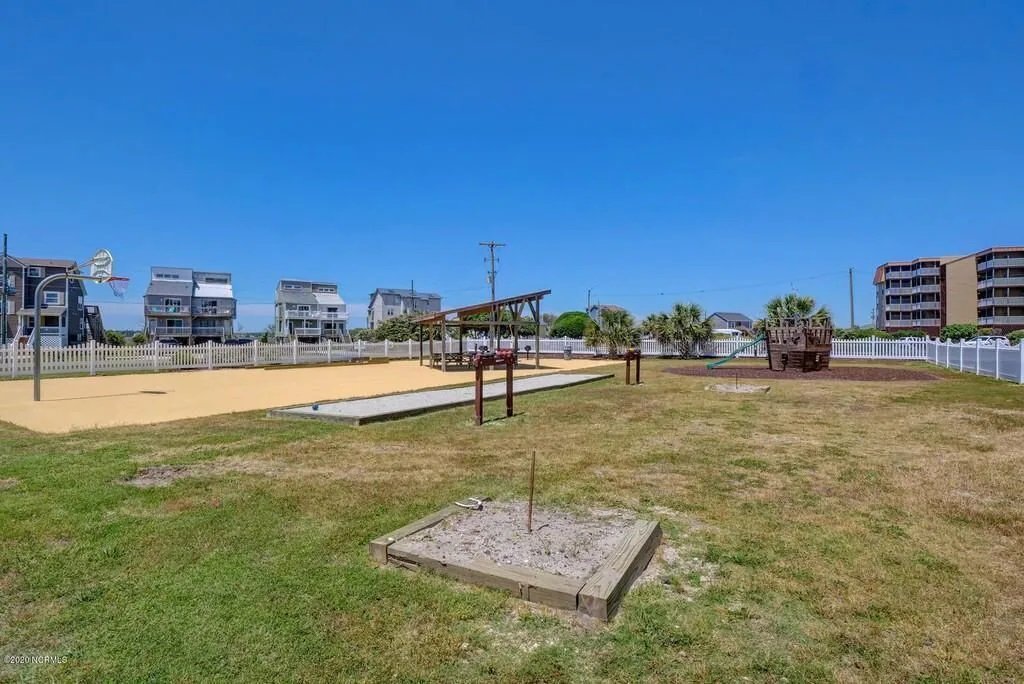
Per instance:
{"type": "Point", "coordinates": [529, 507]}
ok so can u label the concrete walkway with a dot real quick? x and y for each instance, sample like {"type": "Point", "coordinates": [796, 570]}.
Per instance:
{"type": "Point", "coordinates": [360, 411]}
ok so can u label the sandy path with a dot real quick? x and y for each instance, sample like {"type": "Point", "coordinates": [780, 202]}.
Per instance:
{"type": "Point", "coordinates": [71, 404]}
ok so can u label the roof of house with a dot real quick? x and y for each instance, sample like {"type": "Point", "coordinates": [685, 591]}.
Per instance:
{"type": "Point", "coordinates": [173, 288]}
{"type": "Point", "coordinates": [328, 298]}
{"type": "Point", "coordinates": [55, 263]}
{"type": "Point", "coordinates": [731, 316]}
{"type": "Point", "coordinates": [295, 297]}
{"type": "Point", "coordinates": [214, 290]}
{"type": "Point", "coordinates": [404, 293]}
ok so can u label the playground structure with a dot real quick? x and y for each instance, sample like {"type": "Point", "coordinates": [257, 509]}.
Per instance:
{"type": "Point", "coordinates": [633, 354]}
{"type": "Point", "coordinates": [793, 344]}
{"type": "Point", "coordinates": [800, 344]}
{"type": "Point", "coordinates": [504, 357]}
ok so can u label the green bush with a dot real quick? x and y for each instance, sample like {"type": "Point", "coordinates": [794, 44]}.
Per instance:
{"type": "Point", "coordinates": [903, 334]}
{"type": "Point", "coordinates": [139, 338]}
{"type": "Point", "coordinates": [1016, 337]}
{"type": "Point", "coordinates": [114, 338]}
{"type": "Point", "coordinates": [570, 324]}
{"type": "Point", "coordinates": [959, 331]}
{"type": "Point", "coordinates": [859, 333]}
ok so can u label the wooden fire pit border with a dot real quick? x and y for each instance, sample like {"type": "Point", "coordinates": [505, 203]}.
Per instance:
{"type": "Point", "coordinates": [599, 596]}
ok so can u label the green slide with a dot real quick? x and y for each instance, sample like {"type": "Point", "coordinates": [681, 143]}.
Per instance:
{"type": "Point", "coordinates": [730, 357]}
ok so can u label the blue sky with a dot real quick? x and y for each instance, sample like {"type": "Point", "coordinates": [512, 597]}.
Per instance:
{"type": "Point", "coordinates": [653, 152]}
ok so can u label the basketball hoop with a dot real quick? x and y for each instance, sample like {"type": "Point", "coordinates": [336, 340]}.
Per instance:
{"type": "Point", "coordinates": [101, 269]}
{"type": "Point", "coordinates": [101, 266]}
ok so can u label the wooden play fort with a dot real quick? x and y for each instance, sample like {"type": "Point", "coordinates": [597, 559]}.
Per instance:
{"type": "Point", "coordinates": [799, 344]}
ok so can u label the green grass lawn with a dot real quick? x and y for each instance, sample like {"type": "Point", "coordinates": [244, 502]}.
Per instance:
{"type": "Point", "coordinates": [826, 531]}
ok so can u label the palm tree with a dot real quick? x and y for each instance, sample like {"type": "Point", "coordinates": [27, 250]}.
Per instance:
{"type": "Point", "coordinates": [615, 330]}
{"type": "Point", "coordinates": [791, 305]}
{"type": "Point", "coordinates": [685, 328]}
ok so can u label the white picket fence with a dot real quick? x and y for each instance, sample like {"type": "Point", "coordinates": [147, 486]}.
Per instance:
{"type": "Point", "coordinates": [1003, 362]}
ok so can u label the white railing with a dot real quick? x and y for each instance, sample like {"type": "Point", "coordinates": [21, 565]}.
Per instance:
{"type": "Point", "coordinates": [1004, 362]}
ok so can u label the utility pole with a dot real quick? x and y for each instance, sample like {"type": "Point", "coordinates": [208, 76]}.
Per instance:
{"type": "Point", "coordinates": [412, 296]}
{"type": "Point", "coordinates": [491, 245]}
{"type": "Point", "coordinates": [3, 298]}
{"type": "Point", "coordinates": [588, 301]}
{"type": "Point", "coordinates": [852, 323]}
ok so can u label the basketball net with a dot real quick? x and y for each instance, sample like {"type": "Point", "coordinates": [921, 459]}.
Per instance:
{"type": "Point", "coordinates": [118, 285]}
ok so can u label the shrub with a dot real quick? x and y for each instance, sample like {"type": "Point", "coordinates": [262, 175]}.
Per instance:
{"type": "Point", "coordinates": [139, 338]}
{"type": "Point", "coordinates": [903, 334]}
{"type": "Point", "coordinates": [1016, 337]}
{"type": "Point", "coordinates": [959, 331]}
{"type": "Point", "coordinates": [114, 338]}
{"type": "Point", "coordinates": [570, 324]}
{"type": "Point", "coordinates": [859, 333]}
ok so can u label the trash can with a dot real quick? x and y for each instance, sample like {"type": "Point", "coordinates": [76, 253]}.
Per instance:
{"type": "Point", "coordinates": [567, 353]}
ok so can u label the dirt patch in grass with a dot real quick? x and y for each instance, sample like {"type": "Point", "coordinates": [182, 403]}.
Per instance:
{"type": "Point", "coordinates": [158, 476]}
{"type": "Point", "coordinates": [8, 483]}
{"type": "Point", "coordinates": [561, 542]}
{"type": "Point", "coordinates": [738, 388]}
{"type": "Point", "coordinates": [855, 373]}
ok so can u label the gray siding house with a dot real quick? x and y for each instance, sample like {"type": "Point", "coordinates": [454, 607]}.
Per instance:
{"type": "Point", "coordinates": [309, 311]}
{"type": "Point", "coordinates": [734, 321]}
{"type": "Point", "coordinates": [387, 303]}
{"type": "Point", "coordinates": [63, 303]}
{"type": "Point", "coordinates": [189, 306]}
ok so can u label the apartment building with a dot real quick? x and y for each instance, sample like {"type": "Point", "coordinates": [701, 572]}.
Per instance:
{"type": "Point", "coordinates": [387, 303]}
{"type": "Point", "coordinates": [1000, 287]}
{"type": "Point", "coordinates": [928, 293]}
{"type": "Point", "coordinates": [189, 306]}
{"type": "Point", "coordinates": [63, 320]}
{"type": "Point", "coordinates": [309, 311]}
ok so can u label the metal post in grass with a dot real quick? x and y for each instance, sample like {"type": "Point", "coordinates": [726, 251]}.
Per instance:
{"type": "Point", "coordinates": [997, 359]}
{"type": "Point", "coordinates": [977, 358]}
{"type": "Point", "coordinates": [529, 506]}
{"type": "Point", "coordinates": [961, 356]}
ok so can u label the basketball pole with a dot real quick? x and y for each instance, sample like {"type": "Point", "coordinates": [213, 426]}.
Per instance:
{"type": "Point", "coordinates": [37, 335]}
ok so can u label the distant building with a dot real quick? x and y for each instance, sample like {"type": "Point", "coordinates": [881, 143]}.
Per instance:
{"type": "Point", "coordinates": [309, 311]}
{"type": "Point", "coordinates": [388, 303]}
{"type": "Point", "coordinates": [928, 293]}
{"type": "Point", "coordinates": [731, 321]}
{"type": "Point", "coordinates": [595, 310]}
{"type": "Point", "coordinates": [63, 303]}
{"type": "Point", "coordinates": [189, 306]}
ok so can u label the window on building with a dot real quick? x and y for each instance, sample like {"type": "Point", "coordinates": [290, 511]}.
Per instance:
{"type": "Point", "coordinates": [52, 298]}
{"type": "Point", "coordinates": [35, 272]}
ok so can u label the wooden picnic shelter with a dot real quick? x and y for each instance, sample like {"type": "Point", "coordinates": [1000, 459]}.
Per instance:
{"type": "Point", "coordinates": [494, 316]}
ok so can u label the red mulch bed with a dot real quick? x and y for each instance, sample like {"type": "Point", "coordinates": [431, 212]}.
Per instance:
{"type": "Point", "coordinates": [855, 373]}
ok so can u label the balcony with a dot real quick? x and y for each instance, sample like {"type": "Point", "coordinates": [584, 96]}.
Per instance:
{"type": "Point", "coordinates": [213, 311]}
{"type": "Point", "coordinates": [927, 271]}
{"type": "Point", "coordinates": [925, 289]}
{"type": "Point", "coordinates": [925, 306]}
{"type": "Point", "coordinates": [898, 291]}
{"type": "Point", "coordinates": [1001, 282]}
{"type": "Point", "coordinates": [170, 331]}
{"type": "Point", "coordinates": [306, 332]}
{"type": "Point", "coordinates": [1001, 301]}
{"type": "Point", "coordinates": [317, 315]}
{"type": "Point", "coordinates": [1001, 320]}
{"type": "Point", "coordinates": [164, 310]}
{"type": "Point", "coordinates": [899, 307]}
{"type": "Point", "coordinates": [1000, 262]}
